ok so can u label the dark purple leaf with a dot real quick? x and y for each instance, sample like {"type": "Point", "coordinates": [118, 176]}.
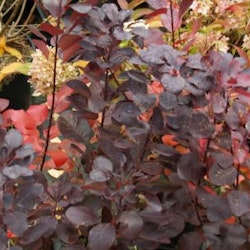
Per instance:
{"type": "Point", "coordinates": [101, 169]}
{"type": "Point", "coordinates": [239, 202]}
{"type": "Point", "coordinates": [111, 10]}
{"type": "Point", "coordinates": [219, 176]}
{"type": "Point", "coordinates": [3, 179]}
{"type": "Point", "coordinates": [130, 224]}
{"type": "Point", "coordinates": [232, 119]}
{"type": "Point", "coordinates": [163, 149]}
{"type": "Point", "coordinates": [15, 171]}
{"type": "Point", "coordinates": [201, 80]}
{"type": "Point", "coordinates": [151, 237]}
{"type": "Point", "coordinates": [200, 126]}
{"type": "Point", "coordinates": [174, 84]}
{"type": "Point", "coordinates": [171, 17]}
{"type": "Point", "coordinates": [16, 222]}
{"type": "Point", "coordinates": [194, 90]}
{"type": "Point", "coordinates": [67, 232]}
{"type": "Point", "coordinates": [79, 88]}
{"type": "Point", "coordinates": [153, 55]}
{"type": "Point", "coordinates": [236, 235]}
{"type": "Point", "coordinates": [156, 120]}
{"type": "Point", "coordinates": [28, 196]}
{"type": "Point", "coordinates": [81, 216]}
{"type": "Point", "coordinates": [190, 241]}
{"type": "Point", "coordinates": [224, 159]}
{"type": "Point", "coordinates": [139, 137]}
{"type": "Point", "coordinates": [126, 113]}
{"type": "Point", "coordinates": [218, 210]}
{"type": "Point", "coordinates": [3, 240]}
{"type": "Point", "coordinates": [74, 128]}
{"type": "Point", "coordinates": [219, 103]}
{"type": "Point", "coordinates": [151, 168]}
{"type": "Point", "coordinates": [112, 152]}
{"type": "Point", "coordinates": [153, 208]}
{"type": "Point", "coordinates": [121, 55]}
{"type": "Point", "coordinates": [82, 8]}
{"type": "Point", "coordinates": [189, 168]}
{"type": "Point", "coordinates": [167, 101]}
{"type": "Point", "coordinates": [44, 228]}
{"type": "Point", "coordinates": [135, 76]}
{"type": "Point", "coordinates": [102, 236]}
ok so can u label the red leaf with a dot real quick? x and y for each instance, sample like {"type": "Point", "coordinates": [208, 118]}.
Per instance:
{"type": "Point", "coordinates": [59, 157]}
{"type": "Point", "coordinates": [184, 5]}
{"type": "Point", "coordinates": [167, 19]}
{"type": "Point", "coordinates": [61, 102]}
{"type": "Point", "coordinates": [49, 28]}
{"type": "Point", "coordinates": [39, 113]}
{"type": "Point", "coordinates": [67, 41]}
{"type": "Point", "coordinates": [42, 46]}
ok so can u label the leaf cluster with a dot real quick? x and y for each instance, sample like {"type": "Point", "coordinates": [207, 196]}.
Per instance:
{"type": "Point", "coordinates": [152, 143]}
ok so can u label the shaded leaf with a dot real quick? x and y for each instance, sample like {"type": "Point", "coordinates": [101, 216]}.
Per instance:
{"type": "Point", "coordinates": [189, 168]}
{"type": "Point", "coordinates": [81, 216]}
{"type": "Point", "coordinates": [218, 210]}
{"type": "Point", "coordinates": [219, 176]}
{"type": "Point", "coordinates": [16, 222]}
{"type": "Point", "coordinates": [101, 236]}
{"type": "Point", "coordinates": [15, 171]}
{"type": "Point", "coordinates": [167, 101]}
{"type": "Point", "coordinates": [239, 202]}
{"type": "Point", "coordinates": [67, 232]}
{"type": "Point", "coordinates": [224, 159]}
{"type": "Point", "coordinates": [173, 84]}
{"type": "Point", "coordinates": [191, 240]}
{"type": "Point", "coordinates": [130, 224]}
{"type": "Point", "coordinates": [126, 113]}
{"type": "Point", "coordinates": [79, 88]}
{"type": "Point", "coordinates": [44, 228]}
{"type": "Point", "coordinates": [74, 128]}
{"type": "Point", "coordinates": [28, 196]}
{"type": "Point", "coordinates": [200, 126]}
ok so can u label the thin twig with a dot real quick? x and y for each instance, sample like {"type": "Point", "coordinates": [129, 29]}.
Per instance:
{"type": "Point", "coordinates": [53, 94]}
{"type": "Point", "coordinates": [172, 23]}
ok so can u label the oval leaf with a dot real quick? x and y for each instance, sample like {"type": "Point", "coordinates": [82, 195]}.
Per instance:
{"type": "Point", "coordinates": [131, 225]}
{"type": "Point", "coordinates": [81, 216]}
{"type": "Point", "coordinates": [101, 236]}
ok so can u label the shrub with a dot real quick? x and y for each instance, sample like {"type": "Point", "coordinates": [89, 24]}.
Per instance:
{"type": "Point", "coordinates": [151, 142]}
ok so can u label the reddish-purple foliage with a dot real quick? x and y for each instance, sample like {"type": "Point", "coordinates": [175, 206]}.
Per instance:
{"type": "Point", "coordinates": [160, 142]}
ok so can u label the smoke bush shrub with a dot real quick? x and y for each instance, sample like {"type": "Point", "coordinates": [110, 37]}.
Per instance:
{"type": "Point", "coordinates": [153, 144]}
